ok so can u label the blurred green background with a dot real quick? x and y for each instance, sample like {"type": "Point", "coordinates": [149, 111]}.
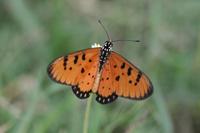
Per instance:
{"type": "Point", "coordinates": [34, 32]}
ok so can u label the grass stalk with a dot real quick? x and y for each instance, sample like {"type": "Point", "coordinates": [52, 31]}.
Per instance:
{"type": "Point", "coordinates": [86, 116]}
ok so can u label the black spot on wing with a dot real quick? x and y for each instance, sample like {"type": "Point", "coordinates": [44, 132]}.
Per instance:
{"type": "Point", "coordinates": [82, 70]}
{"type": "Point", "coordinates": [139, 75]}
{"type": "Point", "coordinates": [123, 65]}
{"type": "Point", "coordinates": [83, 57]}
{"type": "Point", "coordinates": [65, 62]}
{"type": "Point", "coordinates": [129, 71]}
{"type": "Point", "coordinates": [75, 59]}
{"type": "Point", "coordinates": [117, 78]}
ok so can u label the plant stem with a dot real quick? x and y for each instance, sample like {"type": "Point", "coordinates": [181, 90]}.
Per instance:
{"type": "Point", "coordinates": [86, 117]}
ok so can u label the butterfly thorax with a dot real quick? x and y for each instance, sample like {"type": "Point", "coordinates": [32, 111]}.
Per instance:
{"type": "Point", "coordinates": [105, 52]}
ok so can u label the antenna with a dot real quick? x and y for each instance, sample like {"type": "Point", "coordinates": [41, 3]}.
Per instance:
{"type": "Point", "coordinates": [115, 40]}
{"type": "Point", "coordinates": [104, 29]}
{"type": "Point", "coordinates": [126, 41]}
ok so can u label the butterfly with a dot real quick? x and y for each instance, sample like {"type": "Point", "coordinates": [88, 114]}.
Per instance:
{"type": "Point", "coordinates": [101, 71]}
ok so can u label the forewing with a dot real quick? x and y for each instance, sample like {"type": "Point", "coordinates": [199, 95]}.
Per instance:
{"type": "Point", "coordinates": [77, 69]}
{"type": "Point", "coordinates": [128, 80]}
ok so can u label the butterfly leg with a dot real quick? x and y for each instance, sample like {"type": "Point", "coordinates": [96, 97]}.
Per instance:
{"type": "Point", "coordinates": [79, 94]}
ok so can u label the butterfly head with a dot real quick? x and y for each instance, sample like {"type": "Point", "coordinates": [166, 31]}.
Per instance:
{"type": "Point", "coordinates": [107, 46]}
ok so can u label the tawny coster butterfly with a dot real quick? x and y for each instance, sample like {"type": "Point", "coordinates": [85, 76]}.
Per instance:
{"type": "Point", "coordinates": [101, 71]}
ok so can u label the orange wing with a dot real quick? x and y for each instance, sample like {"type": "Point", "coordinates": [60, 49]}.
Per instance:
{"type": "Point", "coordinates": [106, 91]}
{"type": "Point", "coordinates": [77, 69]}
{"type": "Point", "coordinates": [121, 78]}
